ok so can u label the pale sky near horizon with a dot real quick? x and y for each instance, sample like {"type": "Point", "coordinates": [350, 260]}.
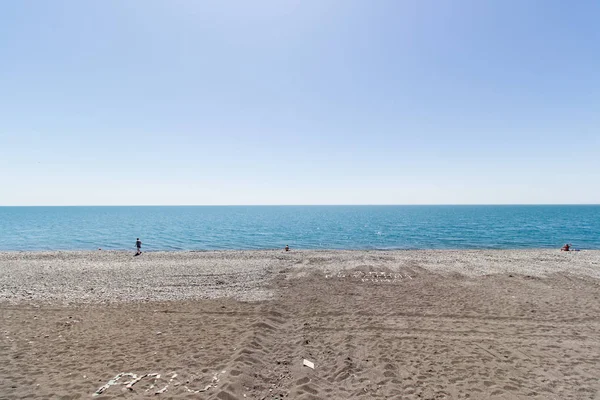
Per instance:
{"type": "Point", "coordinates": [299, 102]}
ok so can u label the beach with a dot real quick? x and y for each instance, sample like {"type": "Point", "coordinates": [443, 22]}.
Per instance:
{"type": "Point", "coordinates": [427, 324]}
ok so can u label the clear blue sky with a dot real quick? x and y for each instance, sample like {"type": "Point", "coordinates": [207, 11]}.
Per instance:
{"type": "Point", "coordinates": [299, 102]}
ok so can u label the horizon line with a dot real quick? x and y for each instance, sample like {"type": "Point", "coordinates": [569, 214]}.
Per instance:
{"type": "Point", "coordinates": [305, 205]}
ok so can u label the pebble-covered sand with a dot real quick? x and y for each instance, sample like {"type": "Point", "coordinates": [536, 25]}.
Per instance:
{"type": "Point", "coordinates": [111, 276]}
{"type": "Point", "coordinates": [403, 325]}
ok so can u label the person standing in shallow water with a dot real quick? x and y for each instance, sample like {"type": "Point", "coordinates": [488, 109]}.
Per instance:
{"type": "Point", "coordinates": [138, 245]}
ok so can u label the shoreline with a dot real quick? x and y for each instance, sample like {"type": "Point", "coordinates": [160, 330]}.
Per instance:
{"type": "Point", "coordinates": [303, 250]}
{"type": "Point", "coordinates": [297, 249]}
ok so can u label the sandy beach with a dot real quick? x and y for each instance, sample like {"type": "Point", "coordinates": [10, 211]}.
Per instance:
{"type": "Point", "coordinates": [236, 325]}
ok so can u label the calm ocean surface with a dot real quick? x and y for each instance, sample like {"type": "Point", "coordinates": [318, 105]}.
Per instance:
{"type": "Point", "coordinates": [307, 227]}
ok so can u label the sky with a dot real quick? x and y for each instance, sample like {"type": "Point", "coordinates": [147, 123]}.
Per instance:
{"type": "Point", "coordinates": [146, 102]}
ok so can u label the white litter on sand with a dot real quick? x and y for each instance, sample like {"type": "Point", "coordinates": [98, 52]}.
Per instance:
{"type": "Point", "coordinates": [214, 382]}
{"type": "Point", "coordinates": [156, 378]}
{"type": "Point", "coordinates": [164, 389]}
{"type": "Point", "coordinates": [114, 381]}
{"type": "Point", "coordinates": [135, 379]}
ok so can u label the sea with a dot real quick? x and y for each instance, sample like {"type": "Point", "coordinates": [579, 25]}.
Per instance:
{"type": "Point", "coordinates": [173, 228]}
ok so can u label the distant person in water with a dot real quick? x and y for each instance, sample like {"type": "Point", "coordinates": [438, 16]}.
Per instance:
{"type": "Point", "coordinates": [138, 245]}
{"type": "Point", "coordinates": [566, 247]}
{"type": "Point", "coordinates": [287, 248]}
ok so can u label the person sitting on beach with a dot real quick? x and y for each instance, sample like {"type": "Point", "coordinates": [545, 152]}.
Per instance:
{"type": "Point", "coordinates": [138, 245]}
{"type": "Point", "coordinates": [287, 248]}
{"type": "Point", "coordinates": [566, 247]}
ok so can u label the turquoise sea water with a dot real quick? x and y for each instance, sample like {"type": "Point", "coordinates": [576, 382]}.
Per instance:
{"type": "Point", "coordinates": [307, 227]}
